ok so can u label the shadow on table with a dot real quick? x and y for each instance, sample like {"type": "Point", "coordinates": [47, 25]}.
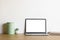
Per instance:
{"type": "Point", "coordinates": [54, 34]}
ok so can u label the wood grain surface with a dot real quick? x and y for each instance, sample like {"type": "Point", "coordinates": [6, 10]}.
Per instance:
{"type": "Point", "coordinates": [23, 37]}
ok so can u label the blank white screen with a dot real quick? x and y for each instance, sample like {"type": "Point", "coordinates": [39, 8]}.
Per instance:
{"type": "Point", "coordinates": [35, 25]}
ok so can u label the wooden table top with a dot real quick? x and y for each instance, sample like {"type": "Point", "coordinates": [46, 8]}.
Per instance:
{"type": "Point", "coordinates": [23, 37]}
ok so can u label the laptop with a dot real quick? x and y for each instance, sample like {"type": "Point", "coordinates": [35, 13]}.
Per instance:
{"type": "Point", "coordinates": [35, 26]}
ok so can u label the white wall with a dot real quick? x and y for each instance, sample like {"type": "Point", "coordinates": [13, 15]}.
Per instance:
{"type": "Point", "coordinates": [17, 10]}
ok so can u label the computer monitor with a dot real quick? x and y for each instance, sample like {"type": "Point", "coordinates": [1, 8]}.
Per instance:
{"type": "Point", "coordinates": [35, 26]}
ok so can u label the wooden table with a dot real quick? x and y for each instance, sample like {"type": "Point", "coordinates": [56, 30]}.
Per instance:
{"type": "Point", "coordinates": [23, 37]}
